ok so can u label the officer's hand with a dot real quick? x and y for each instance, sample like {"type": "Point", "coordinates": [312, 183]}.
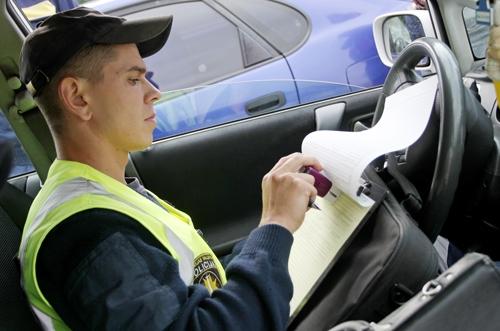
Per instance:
{"type": "Point", "coordinates": [286, 192]}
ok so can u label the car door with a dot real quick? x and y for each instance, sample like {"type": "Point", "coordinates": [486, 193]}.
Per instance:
{"type": "Point", "coordinates": [214, 174]}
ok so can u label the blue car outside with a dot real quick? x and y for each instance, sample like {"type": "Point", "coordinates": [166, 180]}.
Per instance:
{"type": "Point", "coordinates": [337, 57]}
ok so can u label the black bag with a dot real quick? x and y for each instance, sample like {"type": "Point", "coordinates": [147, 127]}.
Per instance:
{"type": "Point", "coordinates": [386, 264]}
{"type": "Point", "coordinates": [465, 297]}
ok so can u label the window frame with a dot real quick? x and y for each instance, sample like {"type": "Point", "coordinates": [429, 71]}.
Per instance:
{"type": "Point", "coordinates": [281, 3]}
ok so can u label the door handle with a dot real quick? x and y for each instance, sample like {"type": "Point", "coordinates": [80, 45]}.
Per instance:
{"type": "Point", "coordinates": [265, 103]}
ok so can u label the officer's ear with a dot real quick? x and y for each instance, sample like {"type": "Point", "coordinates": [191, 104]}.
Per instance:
{"type": "Point", "coordinates": [72, 93]}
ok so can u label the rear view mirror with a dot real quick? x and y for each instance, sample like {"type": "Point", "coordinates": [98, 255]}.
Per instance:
{"type": "Point", "coordinates": [393, 32]}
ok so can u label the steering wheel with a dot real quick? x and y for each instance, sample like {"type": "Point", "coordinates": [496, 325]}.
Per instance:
{"type": "Point", "coordinates": [452, 126]}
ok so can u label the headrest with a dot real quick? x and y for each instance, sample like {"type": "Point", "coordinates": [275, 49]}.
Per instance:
{"type": "Point", "coordinates": [5, 161]}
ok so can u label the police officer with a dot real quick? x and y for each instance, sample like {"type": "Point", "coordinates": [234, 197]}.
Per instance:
{"type": "Point", "coordinates": [99, 251]}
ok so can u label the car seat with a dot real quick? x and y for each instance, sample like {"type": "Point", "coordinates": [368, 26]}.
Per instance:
{"type": "Point", "coordinates": [15, 313]}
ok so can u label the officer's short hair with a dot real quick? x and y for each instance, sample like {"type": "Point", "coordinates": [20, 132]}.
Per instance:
{"type": "Point", "coordinates": [87, 63]}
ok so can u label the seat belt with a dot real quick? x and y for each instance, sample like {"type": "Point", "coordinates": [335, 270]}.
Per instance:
{"type": "Point", "coordinates": [28, 122]}
{"type": "Point", "coordinates": [38, 126]}
{"type": "Point", "coordinates": [412, 201]}
{"type": "Point", "coordinates": [28, 110]}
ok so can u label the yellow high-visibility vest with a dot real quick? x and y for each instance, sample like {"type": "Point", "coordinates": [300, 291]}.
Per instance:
{"type": "Point", "coordinates": [72, 187]}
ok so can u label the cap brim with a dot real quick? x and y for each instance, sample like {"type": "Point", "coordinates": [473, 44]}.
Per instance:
{"type": "Point", "coordinates": [148, 34]}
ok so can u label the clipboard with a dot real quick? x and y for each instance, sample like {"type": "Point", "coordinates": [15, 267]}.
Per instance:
{"type": "Point", "coordinates": [316, 247]}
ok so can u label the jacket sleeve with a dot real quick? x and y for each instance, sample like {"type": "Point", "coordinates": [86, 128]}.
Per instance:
{"type": "Point", "coordinates": [125, 282]}
{"type": "Point", "coordinates": [235, 251]}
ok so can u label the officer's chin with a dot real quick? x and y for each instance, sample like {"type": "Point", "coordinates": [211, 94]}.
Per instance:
{"type": "Point", "coordinates": [143, 147]}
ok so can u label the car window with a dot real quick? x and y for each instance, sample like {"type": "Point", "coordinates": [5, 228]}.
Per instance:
{"type": "Point", "coordinates": [253, 52]}
{"type": "Point", "coordinates": [283, 26]}
{"type": "Point", "coordinates": [478, 33]}
{"type": "Point", "coordinates": [202, 47]}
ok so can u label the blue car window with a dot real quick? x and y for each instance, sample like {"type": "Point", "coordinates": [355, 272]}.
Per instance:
{"type": "Point", "coordinates": [203, 46]}
{"type": "Point", "coordinates": [253, 52]}
{"type": "Point", "coordinates": [282, 26]}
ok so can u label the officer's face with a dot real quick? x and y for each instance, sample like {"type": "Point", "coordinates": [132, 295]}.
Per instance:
{"type": "Point", "coordinates": [122, 102]}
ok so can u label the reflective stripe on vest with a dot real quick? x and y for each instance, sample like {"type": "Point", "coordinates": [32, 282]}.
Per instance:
{"type": "Point", "coordinates": [45, 320]}
{"type": "Point", "coordinates": [72, 187]}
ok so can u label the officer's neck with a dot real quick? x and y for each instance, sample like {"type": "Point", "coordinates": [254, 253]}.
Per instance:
{"type": "Point", "coordinates": [103, 157]}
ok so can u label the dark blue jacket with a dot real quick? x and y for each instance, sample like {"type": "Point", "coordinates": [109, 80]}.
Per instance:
{"type": "Point", "coordinates": [100, 269]}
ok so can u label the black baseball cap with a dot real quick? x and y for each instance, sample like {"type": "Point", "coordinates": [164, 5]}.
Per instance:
{"type": "Point", "coordinates": [50, 46]}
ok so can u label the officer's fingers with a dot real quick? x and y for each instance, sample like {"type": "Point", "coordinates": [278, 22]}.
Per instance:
{"type": "Point", "coordinates": [304, 183]}
{"type": "Point", "coordinates": [298, 162]}
{"type": "Point", "coordinates": [306, 178]}
{"type": "Point", "coordinates": [283, 160]}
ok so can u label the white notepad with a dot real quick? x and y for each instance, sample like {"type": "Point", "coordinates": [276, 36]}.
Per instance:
{"type": "Point", "coordinates": [322, 238]}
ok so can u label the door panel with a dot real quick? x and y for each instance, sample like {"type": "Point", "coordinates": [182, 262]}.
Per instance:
{"type": "Point", "coordinates": [214, 175]}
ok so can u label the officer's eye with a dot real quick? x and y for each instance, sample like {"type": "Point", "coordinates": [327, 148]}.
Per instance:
{"type": "Point", "coordinates": [134, 81]}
